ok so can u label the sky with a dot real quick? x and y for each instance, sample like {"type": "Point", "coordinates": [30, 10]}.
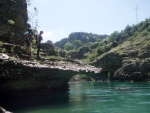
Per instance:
{"type": "Point", "coordinates": [59, 18]}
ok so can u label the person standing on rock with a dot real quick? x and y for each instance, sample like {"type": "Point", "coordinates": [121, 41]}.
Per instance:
{"type": "Point", "coordinates": [39, 38]}
{"type": "Point", "coordinates": [28, 48]}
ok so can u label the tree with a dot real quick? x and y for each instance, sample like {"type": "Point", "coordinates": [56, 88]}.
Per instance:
{"type": "Point", "coordinates": [32, 19]}
{"type": "Point", "coordinates": [113, 36]}
{"type": "Point", "coordinates": [77, 44]}
{"type": "Point", "coordinates": [68, 46]}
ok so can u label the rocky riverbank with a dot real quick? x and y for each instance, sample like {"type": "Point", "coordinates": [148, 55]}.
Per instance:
{"type": "Point", "coordinates": [128, 65]}
{"type": "Point", "coordinates": [22, 77]}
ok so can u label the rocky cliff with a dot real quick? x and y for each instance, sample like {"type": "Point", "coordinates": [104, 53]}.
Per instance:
{"type": "Point", "coordinates": [13, 20]}
{"type": "Point", "coordinates": [129, 61]}
{"type": "Point", "coordinates": [21, 77]}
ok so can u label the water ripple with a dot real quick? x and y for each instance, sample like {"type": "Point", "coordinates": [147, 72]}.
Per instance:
{"type": "Point", "coordinates": [144, 103]}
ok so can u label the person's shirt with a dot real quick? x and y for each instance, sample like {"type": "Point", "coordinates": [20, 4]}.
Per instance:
{"type": "Point", "coordinates": [39, 38]}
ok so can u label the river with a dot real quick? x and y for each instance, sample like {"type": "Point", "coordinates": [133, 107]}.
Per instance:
{"type": "Point", "coordinates": [89, 97]}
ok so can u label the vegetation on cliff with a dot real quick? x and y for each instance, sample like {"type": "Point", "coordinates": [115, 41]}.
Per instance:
{"type": "Point", "coordinates": [78, 39]}
{"type": "Point", "coordinates": [125, 54]}
{"type": "Point", "coordinates": [132, 47]}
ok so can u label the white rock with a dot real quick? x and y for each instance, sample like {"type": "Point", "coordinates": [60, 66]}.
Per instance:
{"type": "Point", "coordinates": [4, 56]}
{"type": "Point", "coordinates": [2, 110]}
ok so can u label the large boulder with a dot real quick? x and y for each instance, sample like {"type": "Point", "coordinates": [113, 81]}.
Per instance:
{"type": "Point", "coordinates": [109, 63]}
{"type": "Point", "coordinates": [50, 49]}
{"type": "Point", "coordinates": [134, 70]}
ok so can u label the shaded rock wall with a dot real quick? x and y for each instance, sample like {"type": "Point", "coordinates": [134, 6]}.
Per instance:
{"type": "Point", "coordinates": [17, 78]}
{"type": "Point", "coordinates": [134, 70]}
{"type": "Point", "coordinates": [130, 66]}
{"type": "Point", "coordinates": [32, 78]}
{"type": "Point", "coordinates": [110, 63]}
{"type": "Point", "coordinates": [13, 20]}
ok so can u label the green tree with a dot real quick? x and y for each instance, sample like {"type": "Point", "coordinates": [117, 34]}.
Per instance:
{"type": "Point", "coordinates": [77, 44]}
{"type": "Point", "coordinates": [113, 36]}
{"type": "Point", "coordinates": [32, 18]}
{"type": "Point", "coordinates": [68, 46]}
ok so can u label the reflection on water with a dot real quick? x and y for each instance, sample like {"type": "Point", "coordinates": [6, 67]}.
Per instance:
{"type": "Point", "coordinates": [88, 97]}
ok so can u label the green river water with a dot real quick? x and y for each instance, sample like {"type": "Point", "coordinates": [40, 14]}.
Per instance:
{"type": "Point", "coordinates": [89, 97]}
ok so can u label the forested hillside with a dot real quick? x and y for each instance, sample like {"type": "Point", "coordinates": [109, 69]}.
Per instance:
{"type": "Point", "coordinates": [124, 55]}
{"type": "Point", "coordinates": [78, 39]}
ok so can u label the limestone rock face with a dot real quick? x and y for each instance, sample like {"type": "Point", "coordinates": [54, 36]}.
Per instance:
{"type": "Point", "coordinates": [134, 70]}
{"type": "Point", "coordinates": [125, 67]}
{"type": "Point", "coordinates": [20, 77]}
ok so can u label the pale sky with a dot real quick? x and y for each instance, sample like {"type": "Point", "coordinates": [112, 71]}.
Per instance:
{"type": "Point", "coordinates": [59, 18]}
